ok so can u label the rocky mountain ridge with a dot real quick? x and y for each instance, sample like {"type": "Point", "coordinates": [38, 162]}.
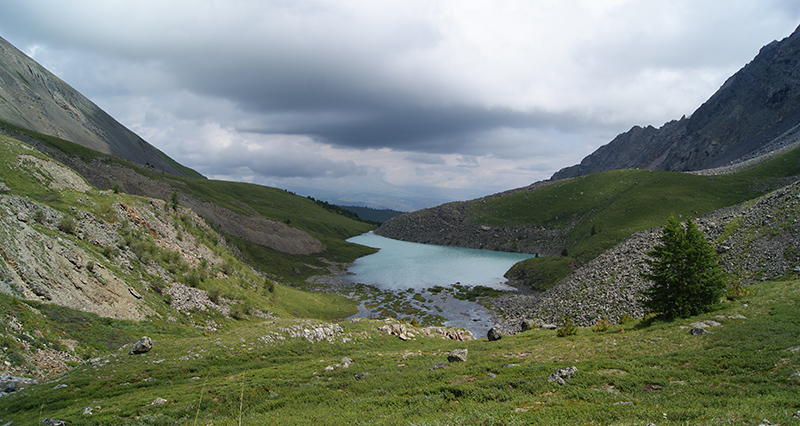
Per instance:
{"type": "Point", "coordinates": [757, 110]}
{"type": "Point", "coordinates": [34, 98]}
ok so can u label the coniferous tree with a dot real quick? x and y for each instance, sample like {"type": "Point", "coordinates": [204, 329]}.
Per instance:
{"type": "Point", "coordinates": [687, 280]}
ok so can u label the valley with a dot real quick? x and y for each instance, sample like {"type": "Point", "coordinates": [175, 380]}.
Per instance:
{"type": "Point", "coordinates": [253, 305]}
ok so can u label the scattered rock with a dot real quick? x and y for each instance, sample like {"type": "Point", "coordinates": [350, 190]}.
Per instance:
{"type": "Point", "coordinates": [494, 334]}
{"type": "Point", "coordinates": [53, 422]}
{"type": "Point", "coordinates": [561, 374]}
{"type": "Point", "coordinates": [697, 331]}
{"type": "Point", "coordinates": [439, 365]}
{"type": "Point", "coordinates": [458, 355]}
{"type": "Point", "coordinates": [158, 401]}
{"type": "Point", "coordinates": [706, 324]}
{"type": "Point", "coordinates": [346, 362]}
{"type": "Point", "coordinates": [491, 376]}
{"type": "Point", "coordinates": [141, 346]}
{"type": "Point", "coordinates": [134, 293]}
{"type": "Point", "coordinates": [87, 411]}
{"type": "Point", "coordinates": [361, 376]}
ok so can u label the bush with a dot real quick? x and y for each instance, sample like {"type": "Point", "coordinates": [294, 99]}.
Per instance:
{"type": "Point", "coordinates": [110, 252]}
{"type": "Point", "coordinates": [39, 216]}
{"type": "Point", "coordinates": [737, 291]}
{"type": "Point", "coordinates": [115, 188]}
{"type": "Point", "coordinates": [173, 200]}
{"type": "Point", "coordinates": [687, 280]}
{"type": "Point", "coordinates": [67, 225]}
{"type": "Point", "coordinates": [601, 325]}
{"type": "Point", "coordinates": [625, 318]}
{"type": "Point", "coordinates": [569, 329]}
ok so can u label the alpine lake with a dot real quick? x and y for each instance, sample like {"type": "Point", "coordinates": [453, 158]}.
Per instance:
{"type": "Point", "coordinates": [430, 284]}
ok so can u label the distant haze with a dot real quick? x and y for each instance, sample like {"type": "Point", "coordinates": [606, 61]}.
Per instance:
{"type": "Point", "coordinates": [399, 104]}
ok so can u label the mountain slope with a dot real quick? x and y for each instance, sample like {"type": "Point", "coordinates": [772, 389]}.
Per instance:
{"type": "Point", "coordinates": [756, 111]}
{"type": "Point", "coordinates": [33, 98]}
{"type": "Point", "coordinates": [589, 214]}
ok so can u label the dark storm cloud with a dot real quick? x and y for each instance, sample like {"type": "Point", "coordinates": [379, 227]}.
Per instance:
{"type": "Point", "coordinates": [439, 93]}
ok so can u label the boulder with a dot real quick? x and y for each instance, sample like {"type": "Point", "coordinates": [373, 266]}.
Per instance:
{"type": "Point", "coordinates": [697, 331]}
{"type": "Point", "coordinates": [493, 334]}
{"type": "Point", "coordinates": [528, 324]}
{"type": "Point", "coordinates": [141, 346]}
{"type": "Point", "coordinates": [458, 355]}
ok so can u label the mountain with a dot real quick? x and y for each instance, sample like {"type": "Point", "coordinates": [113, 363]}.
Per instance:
{"type": "Point", "coordinates": [756, 111]}
{"type": "Point", "coordinates": [33, 98]}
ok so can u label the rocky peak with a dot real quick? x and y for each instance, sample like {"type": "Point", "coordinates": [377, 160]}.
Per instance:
{"type": "Point", "coordinates": [756, 111]}
{"type": "Point", "coordinates": [33, 98]}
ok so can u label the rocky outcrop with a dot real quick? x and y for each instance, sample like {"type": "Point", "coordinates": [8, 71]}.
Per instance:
{"type": "Point", "coordinates": [756, 111]}
{"type": "Point", "coordinates": [251, 227]}
{"type": "Point", "coordinates": [757, 240]}
{"type": "Point", "coordinates": [44, 266]}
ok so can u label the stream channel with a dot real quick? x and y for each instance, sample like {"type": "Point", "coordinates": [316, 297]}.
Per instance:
{"type": "Point", "coordinates": [431, 283]}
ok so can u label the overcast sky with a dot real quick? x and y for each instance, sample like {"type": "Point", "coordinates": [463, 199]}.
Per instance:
{"type": "Point", "coordinates": [404, 103]}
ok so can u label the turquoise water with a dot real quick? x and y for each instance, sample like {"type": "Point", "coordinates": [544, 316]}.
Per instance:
{"type": "Point", "coordinates": [400, 265]}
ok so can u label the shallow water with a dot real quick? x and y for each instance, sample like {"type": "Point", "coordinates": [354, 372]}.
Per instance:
{"type": "Point", "coordinates": [399, 266]}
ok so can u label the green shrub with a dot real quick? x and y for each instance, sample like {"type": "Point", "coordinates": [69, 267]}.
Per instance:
{"type": "Point", "coordinates": [173, 200]}
{"type": "Point", "coordinates": [625, 318]}
{"type": "Point", "coordinates": [568, 329]}
{"type": "Point", "coordinates": [737, 291]}
{"type": "Point", "coordinates": [213, 295]}
{"type": "Point", "coordinates": [16, 359]}
{"type": "Point", "coordinates": [67, 225]}
{"type": "Point", "coordinates": [110, 252]}
{"type": "Point", "coordinates": [601, 325]}
{"type": "Point", "coordinates": [115, 188]}
{"type": "Point", "coordinates": [39, 216]}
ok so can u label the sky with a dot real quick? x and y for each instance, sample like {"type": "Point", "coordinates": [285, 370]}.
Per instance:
{"type": "Point", "coordinates": [400, 104]}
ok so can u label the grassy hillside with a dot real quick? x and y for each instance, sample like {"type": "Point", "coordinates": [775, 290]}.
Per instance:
{"type": "Point", "coordinates": [602, 209]}
{"type": "Point", "coordinates": [275, 204]}
{"type": "Point", "coordinates": [255, 373]}
{"type": "Point", "coordinates": [138, 254]}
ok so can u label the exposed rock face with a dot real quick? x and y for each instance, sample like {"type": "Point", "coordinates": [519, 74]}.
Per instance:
{"type": "Point", "coordinates": [757, 240]}
{"type": "Point", "coordinates": [33, 98]}
{"type": "Point", "coordinates": [254, 228]}
{"type": "Point", "coordinates": [41, 266]}
{"type": "Point", "coordinates": [756, 111]}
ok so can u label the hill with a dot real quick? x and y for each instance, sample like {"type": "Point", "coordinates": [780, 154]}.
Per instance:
{"type": "Point", "coordinates": [372, 214]}
{"type": "Point", "coordinates": [586, 215]}
{"type": "Point", "coordinates": [756, 111]}
{"type": "Point", "coordinates": [33, 98]}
